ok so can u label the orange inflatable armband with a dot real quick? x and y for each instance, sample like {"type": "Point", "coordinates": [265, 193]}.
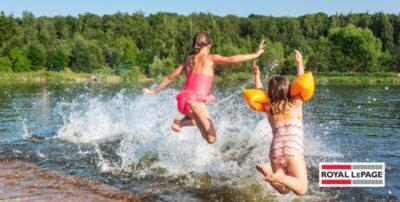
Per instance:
{"type": "Point", "coordinates": [256, 99]}
{"type": "Point", "coordinates": [303, 86]}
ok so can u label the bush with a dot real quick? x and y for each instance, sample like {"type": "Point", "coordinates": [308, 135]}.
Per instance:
{"type": "Point", "coordinates": [20, 62]}
{"type": "Point", "coordinates": [37, 55]}
{"type": "Point", "coordinates": [57, 59]}
{"type": "Point", "coordinates": [133, 74]}
{"type": "Point", "coordinates": [23, 64]}
{"type": "Point", "coordinates": [5, 64]}
{"type": "Point", "coordinates": [162, 67]}
{"type": "Point", "coordinates": [354, 49]}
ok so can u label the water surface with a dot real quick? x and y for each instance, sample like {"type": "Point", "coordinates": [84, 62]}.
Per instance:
{"type": "Point", "coordinates": [116, 135]}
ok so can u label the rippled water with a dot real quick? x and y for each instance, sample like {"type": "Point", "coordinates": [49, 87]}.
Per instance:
{"type": "Point", "coordinates": [116, 135]}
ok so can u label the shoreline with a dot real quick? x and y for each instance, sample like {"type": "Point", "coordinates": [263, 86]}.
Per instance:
{"type": "Point", "coordinates": [389, 78]}
{"type": "Point", "coordinates": [67, 77]}
{"type": "Point", "coordinates": [23, 181]}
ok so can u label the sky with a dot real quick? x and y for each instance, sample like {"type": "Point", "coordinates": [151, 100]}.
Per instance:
{"type": "Point", "coordinates": [218, 7]}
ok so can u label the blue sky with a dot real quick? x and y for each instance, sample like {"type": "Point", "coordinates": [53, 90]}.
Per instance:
{"type": "Point", "coordinates": [218, 7]}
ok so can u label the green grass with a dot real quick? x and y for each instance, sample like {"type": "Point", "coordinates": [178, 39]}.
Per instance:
{"type": "Point", "coordinates": [67, 76]}
{"type": "Point", "coordinates": [354, 78]}
{"type": "Point", "coordinates": [329, 78]}
{"type": "Point", "coordinates": [44, 76]}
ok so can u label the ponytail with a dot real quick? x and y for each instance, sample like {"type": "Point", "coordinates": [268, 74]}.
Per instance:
{"type": "Point", "coordinates": [199, 41]}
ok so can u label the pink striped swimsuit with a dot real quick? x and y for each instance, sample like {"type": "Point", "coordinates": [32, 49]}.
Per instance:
{"type": "Point", "coordinates": [287, 140]}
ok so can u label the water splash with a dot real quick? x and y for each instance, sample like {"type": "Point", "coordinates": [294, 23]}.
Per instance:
{"type": "Point", "coordinates": [102, 164]}
{"type": "Point", "coordinates": [148, 147]}
{"type": "Point", "coordinates": [25, 135]}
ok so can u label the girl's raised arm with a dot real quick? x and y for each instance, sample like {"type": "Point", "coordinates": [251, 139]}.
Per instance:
{"type": "Point", "coordinates": [256, 74]}
{"type": "Point", "coordinates": [299, 61]}
{"type": "Point", "coordinates": [165, 82]}
{"type": "Point", "coordinates": [300, 71]}
{"type": "Point", "coordinates": [218, 59]}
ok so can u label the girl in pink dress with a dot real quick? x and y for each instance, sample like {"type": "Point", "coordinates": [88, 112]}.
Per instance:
{"type": "Point", "coordinates": [199, 71]}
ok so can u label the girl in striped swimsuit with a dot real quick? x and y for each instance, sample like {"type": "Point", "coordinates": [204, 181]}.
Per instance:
{"type": "Point", "coordinates": [289, 172]}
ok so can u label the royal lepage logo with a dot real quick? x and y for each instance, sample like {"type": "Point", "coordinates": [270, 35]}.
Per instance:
{"type": "Point", "coordinates": [351, 174]}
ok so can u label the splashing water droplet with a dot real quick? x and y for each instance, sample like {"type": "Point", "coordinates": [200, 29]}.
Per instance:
{"type": "Point", "coordinates": [148, 147]}
{"type": "Point", "coordinates": [25, 135]}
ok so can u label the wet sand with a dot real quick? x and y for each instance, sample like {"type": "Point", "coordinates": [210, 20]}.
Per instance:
{"type": "Point", "coordinates": [22, 181]}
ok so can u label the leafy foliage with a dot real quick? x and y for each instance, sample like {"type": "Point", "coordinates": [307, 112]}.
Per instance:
{"type": "Point", "coordinates": [154, 45]}
{"type": "Point", "coordinates": [5, 64]}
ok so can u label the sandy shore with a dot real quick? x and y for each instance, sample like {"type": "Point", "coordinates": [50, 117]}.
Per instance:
{"type": "Point", "coordinates": [22, 181]}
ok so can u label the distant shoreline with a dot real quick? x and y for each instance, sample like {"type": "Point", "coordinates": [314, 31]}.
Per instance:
{"type": "Point", "coordinates": [390, 78]}
{"type": "Point", "coordinates": [66, 77]}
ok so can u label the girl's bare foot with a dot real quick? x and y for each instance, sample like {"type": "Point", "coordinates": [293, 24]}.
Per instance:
{"type": "Point", "coordinates": [270, 177]}
{"type": "Point", "coordinates": [265, 171]}
{"type": "Point", "coordinates": [176, 126]}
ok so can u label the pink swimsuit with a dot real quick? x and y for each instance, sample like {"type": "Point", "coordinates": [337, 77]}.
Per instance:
{"type": "Point", "coordinates": [287, 140]}
{"type": "Point", "coordinates": [197, 88]}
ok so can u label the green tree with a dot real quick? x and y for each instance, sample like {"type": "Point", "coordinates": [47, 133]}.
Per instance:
{"type": "Point", "coordinates": [85, 55]}
{"type": "Point", "coordinates": [319, 61]}
{"type": "Point", "coordinates": [127, 52]}
{"type": "Point", "coordinates": [354, 49]}
{"type": "Point", "coordinates": [37, 55]}
{"type": "Point", "coordinates": [395, 61]}
{"type": "Point", "coordinates": [273, 58]}
{"type": "Point", "coordinates": [396, 29]}
{"type": "Point", "coordinates": [14, 42]}
{"type": "Point", "coordinates": [44, 36]}
{"type": "Point", "coordinates": [5, 64]}
{"type": "Point", "coordinates": [62, 30]}
{"type": "Point", "coordinates": [80, 55]}
{"type": "Point", "coordinates": [314, 25]}
{"type": "Point", "coordinates": [8, 28]}
{"type": "Point", "coordinates": [227, 50]}
{"type": "Point", "coordinates": [134, 73]}
{"type": "Point", "coordinates": [20, 62]}
{"type": "Point", "coordinates": [89, 42]}
{"type": "Point", "coordinates": [383, 29]}
{"type": "Point", "coordinates": [57, 58]}
{"type": "Point", "coordinates": [161, 67]}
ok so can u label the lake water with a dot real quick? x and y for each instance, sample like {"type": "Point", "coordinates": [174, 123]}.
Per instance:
{"type": "Point", "coordinates": [116, 135]}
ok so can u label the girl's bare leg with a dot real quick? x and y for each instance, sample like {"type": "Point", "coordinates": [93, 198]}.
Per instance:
{"type": "Point", "coordinates": [187, 121]}
{"type": "Point", "coordinates": [203, 121]}
{"type": "Point", "coordinates": [179, 123]}
{"type": "Point", "coordinates": [295, 180]}
{"type": "Point", "coordinates": [298, 170]}
{"type": "Point", "coordinates": [282, 189]}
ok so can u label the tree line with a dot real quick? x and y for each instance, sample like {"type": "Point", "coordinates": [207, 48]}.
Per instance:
{"type": "Point", "coordinates": [153, 45]}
